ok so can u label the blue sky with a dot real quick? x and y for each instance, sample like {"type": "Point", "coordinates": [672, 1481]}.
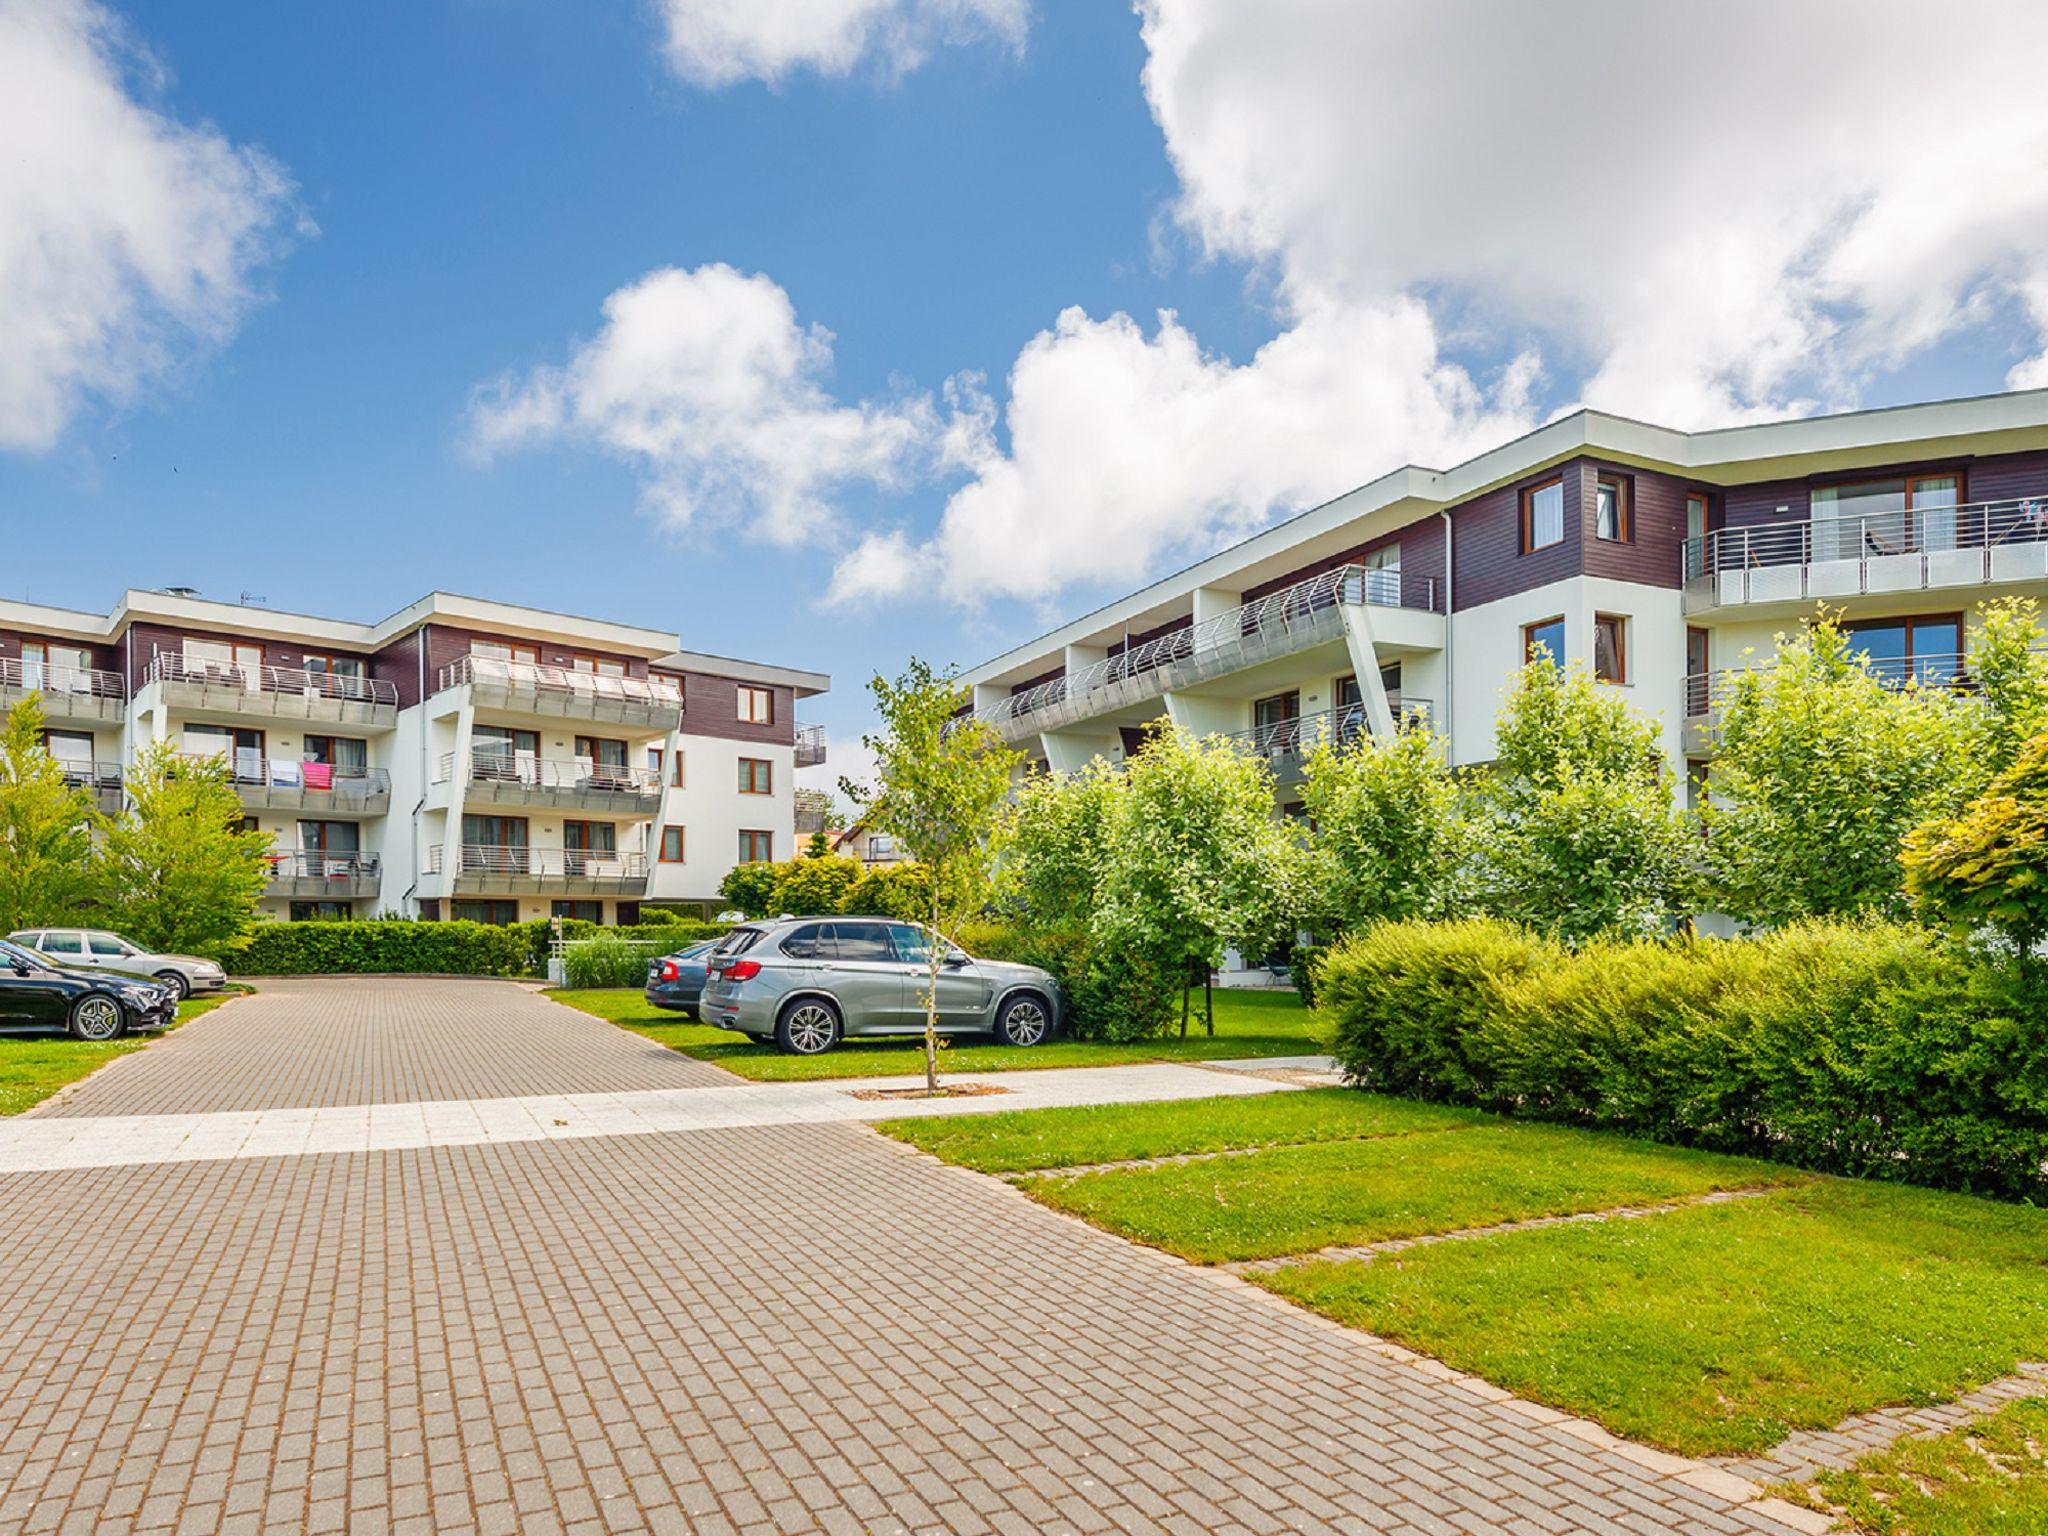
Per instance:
{"type": "Point", "coordinates": [437, 200]}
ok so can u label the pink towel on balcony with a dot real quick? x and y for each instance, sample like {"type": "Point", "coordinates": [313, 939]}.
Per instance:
{"type": "Point", "coordinates": [319, 775]}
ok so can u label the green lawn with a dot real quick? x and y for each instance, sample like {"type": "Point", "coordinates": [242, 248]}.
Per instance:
{"type": "Point", "coordinates": [1295, 1199]}
{"type": "Point", "coordinates": [1720, 1329]}
{"type": "Point", "coordinates": [1265, 1023]}
{"type": "Point", "coordinates": [32, 1067]}
{"type": "Point", "coordinates": [1989, 1478]}
{"type": "Point", "coordinates": [1066, 1138]}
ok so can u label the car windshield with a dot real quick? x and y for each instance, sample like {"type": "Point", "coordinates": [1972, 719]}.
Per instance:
{"type": "Point", "coordinates": [12, 953]}
{"type": "Point", "coordinates": [695, 951]}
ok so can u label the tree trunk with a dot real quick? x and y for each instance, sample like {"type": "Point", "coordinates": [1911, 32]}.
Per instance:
{"type": "Point", "coordinates": [1183, 1008]}
{"type": "Point", "coordinates": [1209, 1002]}
{"type": "Point", "coordinates": [931, 999]}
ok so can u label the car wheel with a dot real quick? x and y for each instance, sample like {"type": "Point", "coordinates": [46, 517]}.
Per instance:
{"type": "Point", "coordinates": [96, 1017]}
{"type": "Point", "coordinates": [180, 987]}
{"type": "Point", "coordinates": [1024, 1021]}
{"type": "Point", "coordinates": [808, 1027]}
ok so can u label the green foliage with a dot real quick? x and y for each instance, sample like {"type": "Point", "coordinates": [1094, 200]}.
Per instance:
{"type": "Point", "coordinates": [1823, 769]}
{"type": "Point", "coordinates": [942, 778]}
{"type": "Point", "coordinates": [751, 888]}
{"type": "Point", "coordinates": [891, 890]}
{"type": "Point", "coordinates": [1392, 839]}
{"type": "Point", "coordinates": [45, 828]}
{"type": "Point", "coordinates": [1057, 843]}
{"type": "Point", "coordinates": [815, 884]}
{"type": "Point", "coordinates": [818, 846]}
{"type": "Point", "coordinates": [384, 948]}
{"type": "Point", "coordinates": [1987, 867]}
{"type": "Point", "coordinates": [1302, 971]}
{"type": "Point", "coordinates": [2010, 670]}
{"type": "Point", "coordinates": [682, 912]}
{"type": "Point", "coordinates": [1877, 1050]}
{"type": "Point", "coordinates": [605, 961]}
{"type": "Point", "coordinates": [1581, 835]}
{"type": "Point", "coordinates": [174, 871]}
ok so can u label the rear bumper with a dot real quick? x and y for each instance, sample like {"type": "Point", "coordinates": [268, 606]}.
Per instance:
{"type": "Point", "coordinates": [674, 995]}
{"type": "Point", "coordinates": [727, 1011]}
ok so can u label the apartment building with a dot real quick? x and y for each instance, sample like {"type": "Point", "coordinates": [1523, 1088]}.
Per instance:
{"type": "Point", "coordinates": [1662, 560]}
{"type": "Point", "coordinates": [459, 759]}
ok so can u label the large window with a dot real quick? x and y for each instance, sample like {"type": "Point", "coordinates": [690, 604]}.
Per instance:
{"type": "Point", "coordinates": [599, 666]}
{"type": "Point", "coordinates": [349, 756]}
{"type": "Point", "coordinates": [1542, 516]}
{"type": "Point", "coordinates": [1610, 648]}
{"type": "Point", "coordinates": [671, 845]}
{"type": "Point", "coordinates": [578, 911]}
{"type": "Point", "coordinates": [757, 776]}
{"type": "Point", "coordinates": [504, 650]}
{"type": "Point", "coordinates": [499, 914]}
{"type": "Point", "coordinates": [1383, 575]}
{"type": "Point", "coordinates": [1613, 516]}
{"type": "Point", "coordinates": [757, 847]}
{"type": "Point", "coordinates": [322, 911]}
{"type": "Point", "coordinates": [1925, 650]}
{"type": "Point", "coordinates": [1870, 518]}
{"type": "Point", "coordinates": [1544, 641]}
{"type": "Point", "coordinates": [757, 706]}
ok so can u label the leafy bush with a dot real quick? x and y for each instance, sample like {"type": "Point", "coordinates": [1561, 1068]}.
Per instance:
{"type": "Point", "coordinates": [815, 885]}
{"type": "Point", "coordinates": [673, 912]}
{"type": "Point", "coordinates": [1869, 1049]}
{"type": "Point", "coordinates": [891, 890]}
{"type": "Point", "coordinates": [373, 948]}
{"type": "Point", "coordinates": [1988, 866]}
{"type": "Point", "coordinates": [1301, 970]}
{"type": "Point", "coordinates": [751, 888]}
{"type": "Point", "coordinates": [607, 961]}
{"type": "Point", "coordinates": [1112, 999]}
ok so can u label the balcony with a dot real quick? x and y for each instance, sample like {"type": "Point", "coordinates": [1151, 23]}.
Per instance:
{"type": "Point", "coordinates": [813, 811]}
{"type": "Point", "coordinates": [275, 693]}
{"type": "Point", "coordinates": [103, 781]}
{"type": "Point", "coordinates": [1925, 549]}
{"type": "Point", "coordinates": [70, 695]}
{"type": "Point", "coordinates": [1298, 618]}
{"type": "Point", "coordinates": [1286, 744]}
{"type": "Point", "coordinates": [1707, 693]}
{"type": "Point", "coordinates": [526, 688]}
{"type": "Point", "coordinates": [810, 745]}
{"type": "Point", "coordinates": [324, 876]}
{"type": "Point", "coordinates": [478, 870]}
{"type": "Point", "coordinates": [291, 784]}
{"type": "Point", "coordinates": [572, 784]}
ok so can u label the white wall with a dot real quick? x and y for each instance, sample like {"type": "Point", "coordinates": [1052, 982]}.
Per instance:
{"type": "Point", "coordinates": [711, 811]}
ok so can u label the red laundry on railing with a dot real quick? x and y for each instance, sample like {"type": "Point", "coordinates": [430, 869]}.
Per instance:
{"type": "Point", "coordinates": [319, 775]}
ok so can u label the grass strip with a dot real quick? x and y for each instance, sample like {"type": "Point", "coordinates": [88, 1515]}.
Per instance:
{"type": "Point", "coordinates": [1719, 1330]}
{"type": "Point", "coordinates": [32, 1067]}
{"type": "Point", "coordinates": [1989, 1478]}
{"type": "Point", "coordinates": [1297, 1199]}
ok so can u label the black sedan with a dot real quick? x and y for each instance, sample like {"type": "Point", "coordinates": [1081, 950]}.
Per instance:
{"type": "Point", "coordinates": [38, 994]}
{"type": "Point", "coordinates": [677, 981]}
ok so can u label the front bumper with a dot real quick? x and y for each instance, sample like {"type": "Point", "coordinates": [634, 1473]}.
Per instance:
{"type": "Point", "coordinates": [205, 983]}
{"type": "Point", "coordinates": [157, 1016]}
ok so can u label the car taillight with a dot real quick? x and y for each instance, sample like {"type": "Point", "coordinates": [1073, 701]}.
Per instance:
{"type": "Point", "coordinates": [669, 971]}
{"type": "Point", "coordinates": [742, 970]}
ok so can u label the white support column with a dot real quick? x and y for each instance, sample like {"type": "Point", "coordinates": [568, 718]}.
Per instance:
{"type": "Point", "coordinates": [1072, 751]}
{"type": "Point", "coordinates": [1081, 657]}
{"type": "Point", "coordinates": [988, 696]}
{"type": "Point", "coordinates": [1202, 717]}
{"type": "Point", "coordinates": [1365, 666]}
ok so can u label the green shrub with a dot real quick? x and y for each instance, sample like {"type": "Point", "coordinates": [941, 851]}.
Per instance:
{"type": "Point", "coordinates": [891, 890]}
{"type": "Point", "coordinates": [1106, 1000]}
{"type": "Point", "coordinates": [1301, 970]}
{"type": "Point", "coordinates": [676, 912]}
{"type": "Point", "coordinates": [607, 961]}
{"type": "Point", "coordinates": [1868, 1049]}
{"type": "Point", "coordinates": [372, 948]}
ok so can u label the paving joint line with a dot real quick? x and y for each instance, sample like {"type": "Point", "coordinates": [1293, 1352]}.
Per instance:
{"type": "Point", "coordinates": [1175, 1159]}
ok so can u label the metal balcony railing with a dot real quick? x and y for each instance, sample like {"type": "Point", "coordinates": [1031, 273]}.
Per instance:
{"type": "Point", "coordinates": [528, 771]}
{"type": "Point", "coordinates": [1899, 551]}
{"type": "Point", "coordinates": [1705, 692]}
{"type": "Point", "coordinates": [18, 676]}
{"type": "Point", "coordinates": [104, 781]}
{"type": "Point", "coordinates": [1294, 619]}
{"type": "Point", "coordinates": [526, 685]}
{"type": "Point", "coordinates": [311, 873]}
{"type": "Point", "coordinates": [291, 783]}
{"type": "Point", "coordinates": [492, 861]}
{"type": "Point", "coordinates": [281, 682]}
{"type": "Point", "coordinates": [810, 745]}
{"type": "Point", "coordinates": [1286, 742]}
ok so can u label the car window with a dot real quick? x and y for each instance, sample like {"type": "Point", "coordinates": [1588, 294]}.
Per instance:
{"type": "Point", "coordinates": [813, 941]}
{"type": "Point", "coordinates": [739, 941]}
{"type": "Point", "coordinates": [10, 953]}
{"type": "Point", "coordinates": [697, 951]}
{"type": "Point", "coordinates": [108, 944]}
{"type": "Point", "coordinates": [863, 941]}
{"type": "Point", "coordinates": [62, 944]}
{"type": "Point", "coordinates": [911, 944]}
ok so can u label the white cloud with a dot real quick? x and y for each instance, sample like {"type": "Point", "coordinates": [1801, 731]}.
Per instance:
{"type": "Point", "coordinates": [708, 384]}
{"type": "Point", "coordinates": [722, 42]}
{"type": "Point", "coordinates": [127, 239]}
{"type": "Point", "coordinates": [1699, 214]}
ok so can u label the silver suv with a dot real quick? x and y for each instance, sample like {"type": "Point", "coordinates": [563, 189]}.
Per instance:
{"type": "Point", "coordinates": [103, 951]}
{"type": "Point", "coordinates": [809, 982]}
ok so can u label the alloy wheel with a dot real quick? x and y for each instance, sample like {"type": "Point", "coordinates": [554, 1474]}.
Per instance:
{"type": "Point", "coordinates": [1025, 1023]}
{"type": "Point", "coordinates": [811, 1029]}
{"type": "Point", "coordinates": [99, 1018]}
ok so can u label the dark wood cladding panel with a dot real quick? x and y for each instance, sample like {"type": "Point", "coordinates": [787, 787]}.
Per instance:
{"type": "Point", "coordinates": [711, 707]}
{"type": "Point", "coordinates": [2006, 476]}
{"type": "Point", "coordinates": [1653, 554]}
{"type": "Point", "coordinates": [146, 640]}
{"type": "Point", "coordinates": [1422, 559]}
{"type": "Point", "coordinates": [1052, 674]}
{"type": "Point", "coordinates": [399, 665]}
{"type": "Point", "coordinates": [1488, 562]}
{"type": "Point", "coordinates": [1993, 477]}
{"type": "Point", "coordinates": [1144, 636]}
{"type": "Point", "coordinates": [102, 658]}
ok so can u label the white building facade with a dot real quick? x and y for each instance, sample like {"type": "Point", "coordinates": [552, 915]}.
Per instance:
{"type": "Point", "coordinates": [1661, 560]}
{"type": "Point", "coordinates": [461, 758]}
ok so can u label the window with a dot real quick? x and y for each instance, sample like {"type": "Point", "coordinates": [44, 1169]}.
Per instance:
{"type": "Point", "coordinates": [603, 751]}
{"type": "Point", "coordinates": [1547, 637]}
{"type": "Point", "coordinates": [335, 666]}
{"type": "Point", "coordinates": [499, 914]}
{"type": "Point", "coordinates": [588, 841]}
{"type": "Point", "coordinates": [1610, 648]}
{"type": "Point", "coordinates": [881, 846]}
{"type": "Point", "coordinates": [1612, 514]}
{"type": "Point", "coordinates": [678, 780]}
{"type": "Point", "coordinates": [1542, 516]}
{"type": "Point", "coordinates": [248, 824]}
{"type": "Point", "coordinates": [58, 668]}
{"type": "Point", "coordinates": [322, 911]}
{"type": "Point", "coordinates": [1926, 650]}
{"type": "Point", "coordinates": [654, 763]}
{"type": "Point", "coordinates": [671, 845]}
{"type": "Point", "coordinates": [863, 941]}
{"type": "Point", "coordinates": [1696, 508]}
{"type": "Point", "coordinates": [504, 650]}
{"type": "Point", "coordinates": [71, 749]}
{"type": "Point", "coordinates": [1698, 685]}
{"type": "Point", "coordinates": [813, 941]}
{"type": "Point", "coordinates": [349, 755]}
{"type": "Point", "coordinates": [757, 847]}
{"type": "Point", "coordinates": [1872, 518]}
{"type": "Point", "coordinates": [60, 943]}
{"type": "Point", "coordinates": [757, 776]}
{"type": "Point", "coordinates": [600, 666]}
{"type": "Point", "coordinates": [1695, 783]}
{"type": "Point", "coordinates": [913, 945]}
{"type": "Point", "coordinates": [578, 911]}
{"type": "Point", "coordinates": [757, 706]}
{"type": "Point", "coordinates": [1383, 575]}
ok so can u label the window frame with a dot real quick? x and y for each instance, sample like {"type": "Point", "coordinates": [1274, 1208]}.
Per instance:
{"type": "Point", "coordinates": [1619, 624]}
{"type": "Point", "coordinates": [663, 856]}
{"type": "Point", "coordinates": [757, 783]}
{"type": "Point", "coordinates": [1624, 506]}
{"type": "Point", "coordinates": [1529, 640]}
{"type": "Point", "coordinates": [754, 690]}
{"type": "Point", "coordinates": [1527, 498]}
{"type": "Point", "coordinates": [747, 834]}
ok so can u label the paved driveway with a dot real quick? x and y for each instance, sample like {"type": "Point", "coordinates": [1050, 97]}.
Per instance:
{"type": "Point", "coordinates": [771, 1329]}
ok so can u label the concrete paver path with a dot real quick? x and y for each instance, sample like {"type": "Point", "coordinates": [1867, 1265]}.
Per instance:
{"type": "Point", "coordinates": [770, 1328]}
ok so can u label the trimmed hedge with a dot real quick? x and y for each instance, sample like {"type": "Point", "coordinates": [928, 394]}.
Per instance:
{"type": "Point", "coordinates": [1113, 1001]}
{"type": "Point", "coordinates": [381, 947]}
{"type": "Point", "coordinates": [1873, 1050]}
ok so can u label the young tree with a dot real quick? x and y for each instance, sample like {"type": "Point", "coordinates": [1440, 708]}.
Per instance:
{"type": "Point", "coordinates": [1056, 844]}
{"type": "Point", "coordinates": [1392, 836]}
{"type": "Point", "coordinates": [1192, 858]}
{"type": "Point", "coordinates": [750, 888]}
{"type": "Point", "coordinates": [46, 827]}
{"type": "Point", "coordinates": [1987, 867]}
{"type": "Point", "coordinates": [819, 846]}
{"type": "Point", "coordinates": [1822, 771]}
{"type": "Point", "coordinates": [941, 779]}
{"type": "Point", "coordinates": [1582, 835]}
{"type": "Point", "coordinates": [2010, 668]}
{"type": "Point", "coordinates": [176, 867]}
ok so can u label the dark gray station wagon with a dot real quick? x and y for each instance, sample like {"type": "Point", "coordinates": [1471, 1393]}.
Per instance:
{"type": "Point", "coordinates": [809, 982]}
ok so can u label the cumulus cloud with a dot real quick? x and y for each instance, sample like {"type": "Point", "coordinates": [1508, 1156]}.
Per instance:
{"type": "Point", "coordinates": [128, 240]}
{"type": "Point", "coordinates": [1694, 214]}
{"type": "Point", "coordinates": [709, 385]}
{"type": "Point", "coordinates": [722, 42]}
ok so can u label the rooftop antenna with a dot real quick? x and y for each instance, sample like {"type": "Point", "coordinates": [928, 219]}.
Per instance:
{"type": "Point", "coordinates": [253, 597]}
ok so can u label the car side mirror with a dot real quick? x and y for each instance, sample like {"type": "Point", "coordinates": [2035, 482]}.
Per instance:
{"type": "Point", "coordinates": [20, 967]}
{"type": "Point", "coordinates": [955, 958]}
